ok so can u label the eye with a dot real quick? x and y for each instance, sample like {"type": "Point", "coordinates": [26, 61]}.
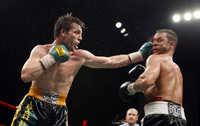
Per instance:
{"type": "Point", "coordinates": [77, 32]}
{"type": "Point", "coordinates": [160, 40]}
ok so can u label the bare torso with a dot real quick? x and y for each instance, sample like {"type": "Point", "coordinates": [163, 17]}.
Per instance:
{"type": "Point", "coordinates": [169, 84]}
{"type": "Point", "coordinates": [59, 77]}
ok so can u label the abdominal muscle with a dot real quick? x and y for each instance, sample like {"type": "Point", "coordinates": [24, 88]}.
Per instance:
{"type": "Point", "coordinates": [59, 77]}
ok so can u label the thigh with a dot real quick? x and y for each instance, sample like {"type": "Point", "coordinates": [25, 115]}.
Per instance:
{"type": "Point", "coordinates": [59, 116]}
{"type": "Point", "coordinates": [25, 114]}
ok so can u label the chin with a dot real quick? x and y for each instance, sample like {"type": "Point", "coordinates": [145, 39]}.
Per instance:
{"type": "Point", "coordinates": [71, 49]}
{"type": "Point", "coordinates": [156, 53]}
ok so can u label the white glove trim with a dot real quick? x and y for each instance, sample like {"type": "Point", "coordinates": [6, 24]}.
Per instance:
{"type": "Point", "coordinates": [131, 89]}
{"type": "Point", "coordinates": [135, 57]}
{"type": "Point", "coordinates": [47, 61]}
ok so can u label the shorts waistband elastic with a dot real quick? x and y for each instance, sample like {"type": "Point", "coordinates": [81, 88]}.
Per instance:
{"type": "Point", "coordinates": [164, 107]}
{"type": "Point", "coordinates": [155, 99]}
{"type": "Point", "coordinates": [48, 96]}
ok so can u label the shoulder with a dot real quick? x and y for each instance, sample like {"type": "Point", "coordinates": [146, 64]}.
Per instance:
{"type": "Point", "coordinates": [40, 50]}
{"type": "Point", "coordinates": [153, 59]}
{"type": "Point", "coordinates": [83, 53]}
{"type": "Point", "coordinates": [157, 58]}
{"type": "Point", "coordinates": [38, 47]}
{"type": "Point", "coordinates": [45, 48]}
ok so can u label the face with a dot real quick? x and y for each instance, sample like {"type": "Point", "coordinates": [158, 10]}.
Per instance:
{"type": "Point", "coordinates": [132, 116]}
{"type": "Point", "coordinates": [160, 43]}
{"type": "Point", "coordinates": [73, 37]}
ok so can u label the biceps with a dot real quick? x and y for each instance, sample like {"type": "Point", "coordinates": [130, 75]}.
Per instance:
{"type": "Point", "coordinates": [30, 63]}
{"type": "Point", "coordinates": [33, 59]}
{"type": "Point", "coordinates": [151, 74]}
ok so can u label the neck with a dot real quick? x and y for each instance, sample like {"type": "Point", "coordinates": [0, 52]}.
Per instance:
{"type": "Point", "coordinates": [57, 41]}
{"type": "Point", "coordinates": [170, 53]}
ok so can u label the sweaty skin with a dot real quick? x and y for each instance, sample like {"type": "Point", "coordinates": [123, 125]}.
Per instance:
{"type": "Point", "coordinates": [162, 77]}
{"type": "Point", "coordinates": [59, 77]}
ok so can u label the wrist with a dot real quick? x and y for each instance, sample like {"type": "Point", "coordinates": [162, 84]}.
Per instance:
{"type": "Point", "coordinates": [135, 57]}
{"type": "Point", "coordinates": [131, 89]}
{"type": "Point", "coordinates": [47, 61]}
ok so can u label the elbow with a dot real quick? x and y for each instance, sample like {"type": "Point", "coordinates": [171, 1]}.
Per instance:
{"type": "Point", "coordinates": [25, 77]}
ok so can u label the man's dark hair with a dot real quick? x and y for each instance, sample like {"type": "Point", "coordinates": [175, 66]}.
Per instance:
{"type": "Point", "coordinates": [65, 22]}
{"type": "Point", "coordinates": [171, 35]}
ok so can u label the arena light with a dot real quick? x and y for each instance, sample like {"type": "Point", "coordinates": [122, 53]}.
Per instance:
{"type": "Point", "coordinates": [187, 16]}
{"type": "Point", "coordinates": [123, 30]}
{"type": "Point", "coordinates": [191, 15]}
{"type": "Point", "coordinates": [197, 14]}
{"type": "Point", "coordinates": [176, 18]}
{"type": "Point", "coordinates": [118, 24]}
{"type": "Point", "coordinates": [126, 34]}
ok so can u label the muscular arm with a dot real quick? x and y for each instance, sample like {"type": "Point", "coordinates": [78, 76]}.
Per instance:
{"type": "Point", "coordinates": [119, 60]}
{"type": "Point", "coordinates": [32, 68]}
{"type": "Point", "coordinates": [150, 75]}
{"type": "Point", "coordinates": [111, 62]}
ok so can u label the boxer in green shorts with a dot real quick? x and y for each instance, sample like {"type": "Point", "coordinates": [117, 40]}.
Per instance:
{"type": "Point", "coordinates": [53, 67]}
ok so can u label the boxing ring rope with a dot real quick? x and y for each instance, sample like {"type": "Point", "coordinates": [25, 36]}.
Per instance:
{"type": "Point", "coordinates": [14, 108]}
{"type": "Point", "coordinates": [8, 105]}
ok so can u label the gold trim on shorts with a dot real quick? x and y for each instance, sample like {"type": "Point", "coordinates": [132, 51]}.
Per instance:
{"type": "Point", "coordinates": [48, 96]}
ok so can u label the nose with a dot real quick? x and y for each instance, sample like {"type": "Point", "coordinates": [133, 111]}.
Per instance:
{"type": "Point", "coordinates": [155, 43]}
{"type": "Point", "coordinates": [80, 37]}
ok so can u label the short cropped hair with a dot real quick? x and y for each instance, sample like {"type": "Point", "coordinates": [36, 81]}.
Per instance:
{"type": "Point", "coordinates": [134, 109]}
{"type": "Point", "coordinates": [171, 35]}
{"type": "Point", "coordinates": [65, 22]}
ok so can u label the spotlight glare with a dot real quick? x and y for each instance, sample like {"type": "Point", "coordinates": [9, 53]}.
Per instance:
{"type": "Point", "coordinates": [187, 16]}
{"type": "Point", "coordinates": [123, 30]}
{"type": "Point", "coordinates": [176, 18]}
{"type": "Point", "coordinates": [118, 24]}
{"type": "Point", "coordinates": [197, 14]}
{"type": "Point", "coordinates": [126, 34]}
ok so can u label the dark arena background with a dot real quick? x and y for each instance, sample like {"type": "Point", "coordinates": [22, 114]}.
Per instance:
{"type": "Point", "coordinates": [93, 97]}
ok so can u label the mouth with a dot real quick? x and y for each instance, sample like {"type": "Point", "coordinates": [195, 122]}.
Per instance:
{"type": "Point", "coordinates": [155, 49]}
{"type": "Point", "coordinates": [76, 45]}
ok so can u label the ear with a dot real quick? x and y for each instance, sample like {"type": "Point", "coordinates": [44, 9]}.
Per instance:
{"type": "Point", "coordinates": [62, 32]}
{"type": "Point", "coordinates": [172, 44]}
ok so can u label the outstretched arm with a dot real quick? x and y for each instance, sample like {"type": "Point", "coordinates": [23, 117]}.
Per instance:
{"type": "Point", "coordinates": [118, 60]}
{"type": "Point", "coordinates": [107, 62]}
